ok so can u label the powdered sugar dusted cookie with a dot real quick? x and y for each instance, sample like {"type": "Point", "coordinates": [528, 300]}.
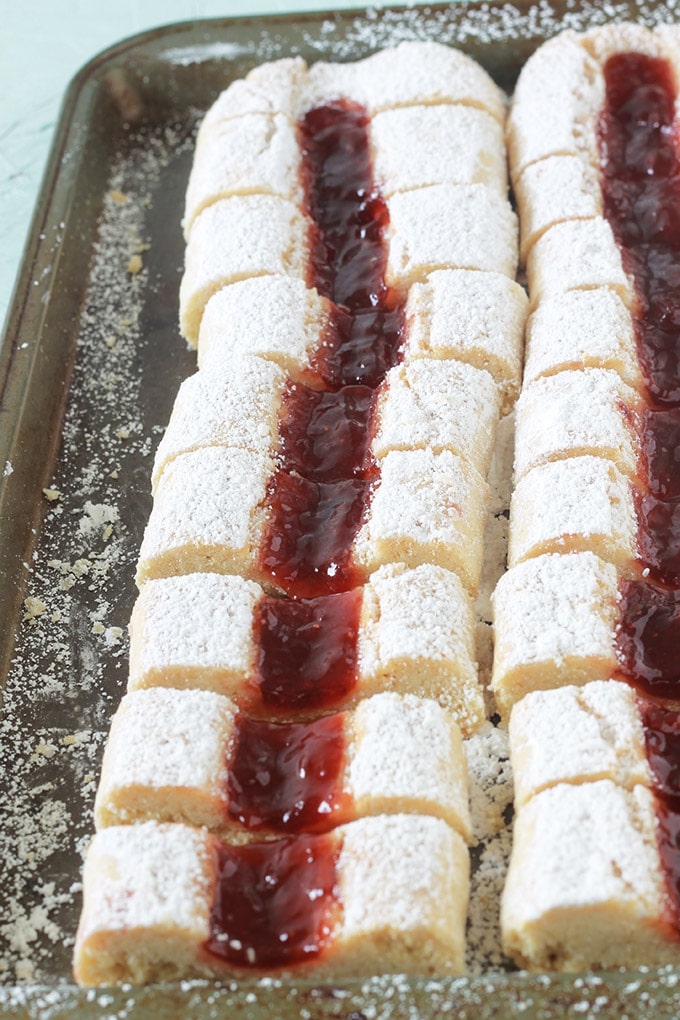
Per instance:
{"type": "Point", "coordinates": [557, 98]}
{"type": "Point", "coordinates": [162, 901]}
{"type": "Point", "coordinates": [211, 510]}
{"type": "Point", "coordinates": [277, 318]}
{"type": "Point", "coordinates": [236, 406]}
{"type": "Point", "coordinates": [473, 317]}
{"type": "Point", "coordinates": [555, 620]}
{"type": "Point", "coordinates": [577, 735]}
{"type": "Point", "coordinates": [456, 145]}
{"type": "Point", "coordinates": [582, 329]}
{"type": "Point", "coordinates": [428, 404]}
{"type": "Point", "coordinates": [188, 756]}
{"type": "Point", "coordinates": [416, 634]}
{"type": "Point", "coordinates": [575, 413]}
{"type": "Point", "coordinates": [576, 255]}
{"type": "Point", "coordinates": [236, 238]}
{"type": "Point", "coordinates": [552, 191]}
{"type": "Point", "coordinates": [208, 514]}
{"type": "Point", "coordinates": [586, 887]}
{"type": "Point", "coordinates": [582, 503]}
{"type": "Point", "coordinates": [256, 153]}
{"type": "Point", "coordinates": [426, 508]}
{"type": "Point", "coordinates": [410, 74]}
{"type": "Point", "coordinates": [449, 227]}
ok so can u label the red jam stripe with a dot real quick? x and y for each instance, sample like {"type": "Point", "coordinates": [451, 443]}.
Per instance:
{"type": "Point", "coordinates": [276, 902]}
{"type": "Point", "coordinates": [660, 446]}
{"type": "Point", "coordinates": [640, 180]}
{"type": "Point", "coordinates": [320, 494]}
{"type": "Point", "coordinates": [307, 651]}
{"type": "Point", "coordinates": [648, 641]}
{"type": "Point", "coordinates": [287, 777]}
{"type": "Point", "coordinates": [327, 436]}
{"type": "Point", "coordinates": [307, 548]}
{"type": "Point", "coordinates": [641, 196]}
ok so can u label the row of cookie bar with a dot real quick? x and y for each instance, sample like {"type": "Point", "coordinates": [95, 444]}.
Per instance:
{"type": "Point", "coordinates": [442, 410]}
{"type": "Point", "coordinates": [442, 940]}
{"type": "Point", "coordinates": [596, 435]}
{"type": "Point", "coordinates": [593, 876]}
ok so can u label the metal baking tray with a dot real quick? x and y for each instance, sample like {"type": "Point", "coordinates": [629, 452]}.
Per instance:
{"type": "Point", "coordinates": [89, 366]}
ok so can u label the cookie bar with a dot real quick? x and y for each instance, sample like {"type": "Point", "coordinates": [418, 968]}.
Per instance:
{"type": "Point", "coordinates": [428, 404]}
{"type": "Point", "coordinates": [582, 329]}
{"type": "Point", "coordinates": [438, 227]}
{"type": "Point", "coordinates": [210, 513]}
{"type": "Point", "coordinates": [555, 619]}
{"type": "Point", "coordinates": [415, 633]}
{"type": "Point", "coordinates": [578, 413]}
{"type": "Point", "coordinates": [259, 153]}
{"type": "Point", "coordinates": [458, 144]}
{"type": "Point", "coordinates": [577, 735]}
{"type": "Point", "coordinates": [572, 505]}
{"type": "Point", "coordinates": [166, 901]}
{"type": "Point", "coordinates": [462, 315]}
{"type": "Point", "coordinates": [188, 756]}
{"type": "Point", "coordinates": [238, 238]}
{"type": "Point", "coordinates": [586, 887]}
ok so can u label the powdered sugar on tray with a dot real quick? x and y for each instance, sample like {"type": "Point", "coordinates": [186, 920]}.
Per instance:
{"type": "Point", "coordinates": [70, 662]}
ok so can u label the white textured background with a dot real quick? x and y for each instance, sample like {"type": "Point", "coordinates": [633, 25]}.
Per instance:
{"type": "Point", "coordinates": [43, 43]}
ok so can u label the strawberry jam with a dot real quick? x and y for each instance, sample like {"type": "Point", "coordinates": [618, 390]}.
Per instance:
{"type": "Point", "coordinates": [649, 637]}
{"type": "Point", "coordinates": [307, 656]}
{"type": "Point", "coordinates": [641, 193]}
{"type": "Point", "coordinates": [276, 902]}
{"type": "Point", "coordinates": [320, 495]}
{"type": "Point", "coordinates": [641, 197]}
{"type": "Point", "coordinates": [307, 549]}
{"type": "Point", "coordinates": [660, 445]}
{"type": "Point", "coordinates": [286, 777]}
{"type": "Point", "coordinates": [327, 436]}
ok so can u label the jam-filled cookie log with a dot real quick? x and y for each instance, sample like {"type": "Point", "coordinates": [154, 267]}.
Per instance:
{"type": "Point", "coordinates": [285, 789]}
{"type": "Point", "coordinates": [588, 613]}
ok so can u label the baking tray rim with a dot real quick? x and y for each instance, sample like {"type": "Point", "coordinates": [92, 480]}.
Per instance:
{"type": "Point", "coordinates": [496, 994]}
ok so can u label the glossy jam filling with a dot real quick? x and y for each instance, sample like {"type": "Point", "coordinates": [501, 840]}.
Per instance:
{"type": "Point", "coordinates": [660, 447]}
{"type": "Point", "coordinates": [641, 197]}
{"type": "Point", "coordinates": [327, 436]}
{"type": "Point", "coordinates": [287, 777]}
{"type": "Point", "coordinates": [320, 495]}
{"type": "Point", "coordinates": [276, 902]}
{"type": "Point", "coordinates": [309, 551]}
{"type": "Point", "coordinates": [641, 193]}
{"type": "Point", "coordinates": [307, 651]}
{"type": "Point", "coordinates": [647, 644]}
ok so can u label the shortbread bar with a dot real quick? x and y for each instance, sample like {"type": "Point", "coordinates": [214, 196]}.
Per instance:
{"type": "Point", "coordinates": [428, 404]}
{"type": "Point", "coordinates": [574, 413]}
{"type": "Point", "coordinates": [577, 735]}
{"type": "Point", "coordinates": [210, 513]}
{"type": "Point", "coordinates": [586, 887]}
{"type": "Point", "coordinates": [438, 227]}
{"type": "Point", "coordinates": [415, 634]}
{"type": "Point", "coordinates": [464, 315]}
{"type": "Point", "coordinates": [572, 505]}
{"type": "Point", "coordinates": [579, 330]}
{"type": "Point", "coordinates": [379, 895]}
{"type": "Point", "coordinates": [188, 756]}
{"type": "Point", "coordinates": [259, 153]}
{"type": "Point", "coordinates": [555, 621]}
